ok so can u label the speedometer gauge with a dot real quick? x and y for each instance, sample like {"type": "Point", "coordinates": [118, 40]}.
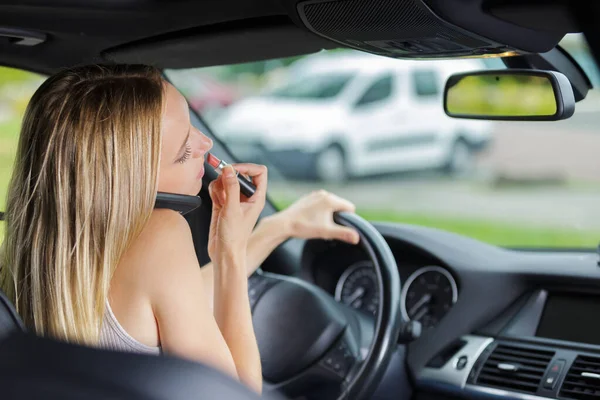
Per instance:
{"type": "Point", "coordinates": [428, 295]}
{"type": "Point", "coordinates": [357, 287]}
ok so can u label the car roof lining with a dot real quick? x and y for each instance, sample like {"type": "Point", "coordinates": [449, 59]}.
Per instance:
{"type": "Point", "coordinates": [84, 31]}
{"type": "Point", "coordinates": [254, 40]}
{"type": "Point", "coordinates": [168, 33]}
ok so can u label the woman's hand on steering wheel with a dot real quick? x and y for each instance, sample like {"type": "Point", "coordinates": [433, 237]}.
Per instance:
{"type": "Point", "coordinates": [311, 217]}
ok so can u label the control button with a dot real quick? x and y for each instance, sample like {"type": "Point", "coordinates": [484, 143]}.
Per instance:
{"type": "Point", "coordinates": [339, 360]}
{"type": "Point", "coordinates": [461, 363]}
{"type": "Point", "coordinates": [553, 374]}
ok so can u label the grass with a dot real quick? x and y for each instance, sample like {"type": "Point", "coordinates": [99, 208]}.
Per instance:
{"type": "Point", "coordinates": [497, 233]}
{"type": "Point", "coordinates": [9, 132]}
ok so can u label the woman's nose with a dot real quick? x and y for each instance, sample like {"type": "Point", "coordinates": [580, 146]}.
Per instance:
{"type": "Point", "coordinates": [202, 145]}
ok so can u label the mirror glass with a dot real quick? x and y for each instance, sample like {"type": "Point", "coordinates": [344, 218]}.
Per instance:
{"type": "Point", "coordinates": [505, 95]}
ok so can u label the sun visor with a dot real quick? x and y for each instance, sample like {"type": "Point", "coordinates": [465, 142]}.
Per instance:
{"type": "Point", "coordinates": [210, 47]}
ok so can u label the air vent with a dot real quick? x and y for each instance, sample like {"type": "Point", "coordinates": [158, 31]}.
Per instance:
{"type": "Point", "coordinates": [515, 368]}
{"type": "Point", "coordinates": [582, 380]}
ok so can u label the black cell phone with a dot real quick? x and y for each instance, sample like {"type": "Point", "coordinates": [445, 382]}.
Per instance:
{"type": "Point", "coordinates": [181, 203]}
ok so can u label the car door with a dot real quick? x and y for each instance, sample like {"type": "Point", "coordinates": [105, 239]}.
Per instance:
{"type": "Point", "coordinates": [427, 128]}
{"type": "Point", "coordinates": [372, 120]}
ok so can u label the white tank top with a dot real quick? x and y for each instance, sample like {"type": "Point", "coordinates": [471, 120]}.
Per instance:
{"type": "Point", "coordinates": [114, 337]}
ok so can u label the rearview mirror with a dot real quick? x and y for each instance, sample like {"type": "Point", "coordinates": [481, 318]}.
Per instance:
{"type": "Point", "coordinates": [509, 95]}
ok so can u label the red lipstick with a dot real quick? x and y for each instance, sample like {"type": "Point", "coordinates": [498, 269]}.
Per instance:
{"type": "Point", "coordinates": [246, 187]}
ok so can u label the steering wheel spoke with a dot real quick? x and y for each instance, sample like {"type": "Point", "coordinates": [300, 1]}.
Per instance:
{"type": "Point", "coordinates": [258, 284]}
{"type": "Point", "coordinates": [342, 356]}
{"type": "Point", "coordinates": [327, 377]}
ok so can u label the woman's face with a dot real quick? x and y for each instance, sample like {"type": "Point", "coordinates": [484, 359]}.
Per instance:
{"type": "Point", "coordinates": [183, 148]}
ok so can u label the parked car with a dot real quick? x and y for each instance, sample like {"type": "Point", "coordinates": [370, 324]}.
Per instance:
{"type": "Point", "coordinates": [351, 114]}
{"type": "Point", "coordinates": [205, 93]}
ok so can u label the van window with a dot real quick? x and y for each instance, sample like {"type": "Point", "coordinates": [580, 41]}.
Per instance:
{"type": "Point", "coordinates": [425, 83]}
{"type": "Point", "coordinates": [379, 90]}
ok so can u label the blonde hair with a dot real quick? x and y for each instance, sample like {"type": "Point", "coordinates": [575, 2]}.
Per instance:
{"type": "Point", "coordinates": [83, 187]}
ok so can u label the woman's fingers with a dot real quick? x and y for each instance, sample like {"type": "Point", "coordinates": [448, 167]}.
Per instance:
{"type": "Point", "coordinates": [259, 176]}
{"type": "Point", "coordinates": [344, 234]}
{"type": "Point", "coordinates": [249, 168]}
{"type": "Point", "coordinates": [215, 190]}
{"type": "Point", "coordinates": [334, 202]}
{"type": "Point", "coordinates": [340, 204]}
{"type": "Point", "coordinates": [231, 187]}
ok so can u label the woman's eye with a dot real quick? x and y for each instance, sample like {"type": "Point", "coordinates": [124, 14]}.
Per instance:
{"type": "Point", "coordinates": [186, 155]}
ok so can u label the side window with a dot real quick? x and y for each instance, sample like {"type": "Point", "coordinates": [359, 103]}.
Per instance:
{"type": "Point", "coordinates": [426, 83]}
{"type": "Point", "coordinates": [379, 90]}
{"type": "Point", "coordinates": [16, 88]}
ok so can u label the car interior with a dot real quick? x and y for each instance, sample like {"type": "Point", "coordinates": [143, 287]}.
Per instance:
{"type": "Point", "coordinates": [505, 323]}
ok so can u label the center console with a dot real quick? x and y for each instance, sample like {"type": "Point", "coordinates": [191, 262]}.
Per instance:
{"type": "Point", "coordinates": [549, 350]}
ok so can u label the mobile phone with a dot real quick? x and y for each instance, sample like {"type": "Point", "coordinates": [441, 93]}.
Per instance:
{"type": "Point", "coordinates": [181, 203]}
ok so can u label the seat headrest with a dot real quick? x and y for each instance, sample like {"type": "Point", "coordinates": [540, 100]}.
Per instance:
{"type": "Point", "coordinates": [9, 319]}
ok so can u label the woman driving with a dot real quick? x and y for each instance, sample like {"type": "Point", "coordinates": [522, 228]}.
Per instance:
{"type": "Point", "coordinates": [87, 259]}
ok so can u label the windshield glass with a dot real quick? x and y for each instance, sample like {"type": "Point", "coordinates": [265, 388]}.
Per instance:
{"type": "Point", "coordinates": [320, 86]}
{"type": "Point", "coordinates": [386, 145]}
{"type": "Point", "coordinates": [390, 149]}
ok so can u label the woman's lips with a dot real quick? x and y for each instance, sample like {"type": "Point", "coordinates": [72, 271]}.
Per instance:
{"type": "Point", "coordinates": [201, 173]}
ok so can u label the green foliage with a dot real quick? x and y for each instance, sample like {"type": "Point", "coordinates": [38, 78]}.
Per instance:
{"type": "Point", "coordinates": [12, 76]}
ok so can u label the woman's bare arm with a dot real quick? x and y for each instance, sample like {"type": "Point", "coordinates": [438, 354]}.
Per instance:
{"type": "Point", "coordinates": [270, 232]}
{"type": "Point", "coordinates": [187, 326]}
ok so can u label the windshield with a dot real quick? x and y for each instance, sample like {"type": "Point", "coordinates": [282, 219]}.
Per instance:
{"type": "Point", "coordinates": [391, 150]}
{"type": "Point", "coordinates": [387, 145]}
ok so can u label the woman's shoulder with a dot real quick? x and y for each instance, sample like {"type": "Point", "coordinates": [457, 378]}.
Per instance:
{"type": "Point", "coordinates": [166, 229]}
{"type": "Point", "coordinates": [165, 240]}
{"type": "Point", "coordinates": [166, 223]}
{"type": "Point", "coordinates": [166, 257]}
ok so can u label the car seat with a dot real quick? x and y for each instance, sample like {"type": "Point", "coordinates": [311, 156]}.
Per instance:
{"type": "Point", "coordinates": [35, 367]}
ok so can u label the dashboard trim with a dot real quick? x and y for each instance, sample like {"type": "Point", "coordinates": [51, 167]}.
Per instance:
{"type": "Point", "coordinates": [449, 374]}
{"type": "Point", "coordinates": [420, 272]}
{"type": "Point", "coordinates": [504, 394]}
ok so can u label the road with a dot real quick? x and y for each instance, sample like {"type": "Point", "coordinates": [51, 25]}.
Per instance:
{"type": "Point", "coordinates": [573, 208]}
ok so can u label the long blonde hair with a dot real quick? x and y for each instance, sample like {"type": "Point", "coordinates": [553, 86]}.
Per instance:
{"type": "Point", "coordinates": [83, 187]}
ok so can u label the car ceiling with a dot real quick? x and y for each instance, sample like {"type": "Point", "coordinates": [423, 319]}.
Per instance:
{"type": "Point", "coordinates": [208, 32]}
{"type": "Point", "coordinates": [81, 30]}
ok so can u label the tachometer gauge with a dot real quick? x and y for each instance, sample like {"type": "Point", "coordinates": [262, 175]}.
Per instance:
{"type": "Point", "coordinates": [428, 295]}
{"type": "Point", "coordinates": [357, 287]}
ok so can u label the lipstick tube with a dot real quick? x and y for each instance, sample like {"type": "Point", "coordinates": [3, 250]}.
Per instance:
{"type": "Point", "coordinates": [247, 188]}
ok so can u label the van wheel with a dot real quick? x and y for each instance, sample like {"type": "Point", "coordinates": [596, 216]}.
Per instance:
{"type": "Point", "coordinates": [460, 160]}
{"type": "Point", "coordinates": [330, 165]}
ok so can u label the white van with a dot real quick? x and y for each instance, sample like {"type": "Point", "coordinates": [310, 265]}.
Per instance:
{"type": "Point", "coordinates": [349, 114]}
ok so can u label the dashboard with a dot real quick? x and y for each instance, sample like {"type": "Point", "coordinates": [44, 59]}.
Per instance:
{"type": "Point", "coordinates": [429, 289]}
{"type": "Point", "coordinates": [497, 323]}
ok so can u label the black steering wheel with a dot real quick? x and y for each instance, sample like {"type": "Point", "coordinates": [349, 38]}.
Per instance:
{"type": "Point", "coordinates": [308, 340]}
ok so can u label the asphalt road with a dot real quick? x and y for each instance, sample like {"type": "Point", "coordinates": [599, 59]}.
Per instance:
{"type": "Point", "coordinates": [573, 208]}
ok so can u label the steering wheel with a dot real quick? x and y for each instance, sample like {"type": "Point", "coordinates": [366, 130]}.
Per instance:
{"type": "Point", "coordinates": [307, 339]}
